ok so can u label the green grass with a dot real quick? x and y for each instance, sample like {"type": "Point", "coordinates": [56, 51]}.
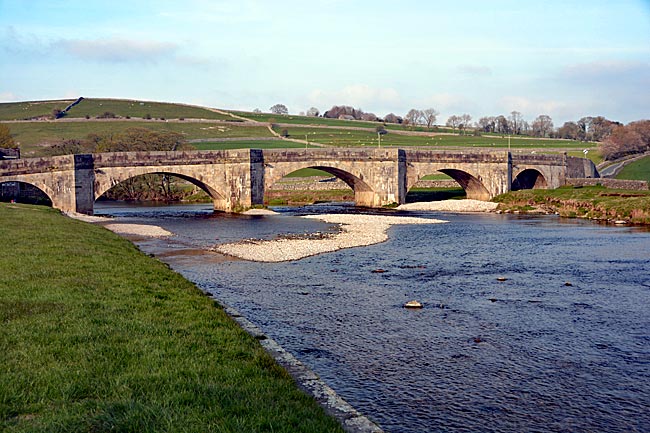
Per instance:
{"type": "Point", "coordinates": [33, 137]}
{"type": "Point", "coordinates": [309, 172]}
{"type": "Point", "coordinates": [352, 138]}
{"type": "Point", "coordinates": [249, 144]}
{"type": "Point", "coordinates": [96, 107]}
{"type": "Point", "coordinates": [96, 336]}
{"type": "Point", "coordinates": [434, 194]}
{"type": "Point", "coordinates": [29, 110]}
{"type": "Point", "coordinates": [586, 202]}
{"type": "Point", "coordinates": [637, 170]}
{"type": "Point", "coordinates": [304, 120]}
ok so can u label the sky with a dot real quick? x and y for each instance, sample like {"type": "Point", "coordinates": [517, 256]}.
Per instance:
{"type": "Point", "coordinates": [563, 58]}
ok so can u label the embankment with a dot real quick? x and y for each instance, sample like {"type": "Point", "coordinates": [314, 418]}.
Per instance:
{"type": "Point", "coordinates": [594, 202]}
{"type": "Point", "coordinates": [97, 336]}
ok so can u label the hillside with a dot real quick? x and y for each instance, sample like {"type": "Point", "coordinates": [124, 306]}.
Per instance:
{"type": "Point", "coordinates": [34, 127]}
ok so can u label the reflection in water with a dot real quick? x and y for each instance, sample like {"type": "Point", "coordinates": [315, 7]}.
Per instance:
{"type": "Point", "coordinates": [531, 353]}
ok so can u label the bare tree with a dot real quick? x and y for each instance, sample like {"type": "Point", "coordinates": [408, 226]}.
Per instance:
{"type": "Point", "coordinates": [542, 126]}
{"type": "Point", "coordinates": [414, 116]}
{"type": "Point", "coordinates": [516, 120]}
{"type": "Point", "coordinates": [453, 121]}
{"type": "Point", "coordinates": [502, 125]}
{"type": "Point", "coordinates": [465, 121]}
{"type": "Point", "coordinates": [313, 112]}
{"type": "Point", "coordinates": [279, 109]}
{"type": "Point", "coordinates": [430, 115]}
{"type": "Point", "coordinates": [486, 124]}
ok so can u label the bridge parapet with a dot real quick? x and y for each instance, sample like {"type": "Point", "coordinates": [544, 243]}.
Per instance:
{"type": "Point", "coordinates": [14, 167]}
{"type": "Point", "coordinates": [138, 159]}
{"type": "Point", "coordinates": [470, 157]}
{"type": "Point", "coordinates": [237, 179]}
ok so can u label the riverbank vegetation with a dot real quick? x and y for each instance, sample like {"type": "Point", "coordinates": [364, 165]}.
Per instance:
{"type": "Point", "coordinates": [594, 202]}
{"type": "Point", "coordinates": [96, 336]}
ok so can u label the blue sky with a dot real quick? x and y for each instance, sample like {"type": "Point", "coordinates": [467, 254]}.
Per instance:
{"type": "Point", "coordinates": [564, 58]}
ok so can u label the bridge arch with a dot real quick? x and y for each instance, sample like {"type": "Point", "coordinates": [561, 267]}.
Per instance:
{"type": "Point", "coordinates": [471, 183]}
{"type": "Point", "coordinates": [107, 178]}
{"type": "Point", "coordinates": [363, 192]}
{"type": "Point", "coordinates": [529, 178]}
{"type": "Point", "coordinates": [7, 190]}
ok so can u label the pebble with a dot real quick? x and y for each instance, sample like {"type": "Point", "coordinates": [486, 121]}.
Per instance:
{"type": "Point", "coordinates": [356, 231]}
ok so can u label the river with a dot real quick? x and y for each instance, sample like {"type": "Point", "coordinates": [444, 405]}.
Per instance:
{"type": "Point", "coordinates": [563, 344]}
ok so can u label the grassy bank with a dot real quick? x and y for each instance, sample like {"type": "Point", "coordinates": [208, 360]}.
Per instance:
{"type": "Point", "coordinates": [637, 170]}
{"type": "Point", "coordinates": [588, 202]}
{"type": "Point", "coordinates": [96, 336]}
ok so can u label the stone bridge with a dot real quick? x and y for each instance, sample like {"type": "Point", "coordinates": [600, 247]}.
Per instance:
{"type": "Point", "coordinates": [237, 179]}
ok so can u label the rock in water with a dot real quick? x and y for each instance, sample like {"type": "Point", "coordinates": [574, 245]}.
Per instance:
{"type": "Point", "coordinates": [413, 304]}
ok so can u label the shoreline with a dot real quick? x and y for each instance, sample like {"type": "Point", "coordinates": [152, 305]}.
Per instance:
{"type": "Point", "coordinates": [355, 231]}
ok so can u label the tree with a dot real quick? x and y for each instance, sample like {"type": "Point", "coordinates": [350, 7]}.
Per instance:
{"type": "Point", "coordinates": [313, 112]}
{"type": "Point", "coordinates": [453, 121]}
{"type": "Point", "coordinates": [515, 122]}
{"type": "Point", "coordinates": [542, 126]}
{"type": "Point", "coordinates": [414, 117]}
{"type": "Point", "coordinates": [257, 111]}
{"type": "Point", "coordinates": [502, 125]}
{"type": "Point", "coordinates": [6, 140]}
{"type": "Point", "coordinates": [486, 124]}
{"type": "Point", "coordinates": [430, 115]}
{"type": "Point", "coordinates": [279, 109]}
{"type": "Point", "coordinates": [393, 118]}
{"type": "Point", "coordinates": [465, 121]}
{"type": "Point", "coordinates": [570, 130]}
{"type": "Point", "coordinates": [623, 141]}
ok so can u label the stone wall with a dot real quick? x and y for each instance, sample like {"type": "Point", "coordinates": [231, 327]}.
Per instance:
{"type": "Point", "coordinates": [635, 185]}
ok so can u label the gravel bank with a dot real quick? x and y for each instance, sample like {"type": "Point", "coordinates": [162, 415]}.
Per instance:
{"type": "Point", "coordinates": [139, 230]}
{"type": "Point", "coordinates": [356, 231]}
{"type": "Point", "coordinates": [466, 205]}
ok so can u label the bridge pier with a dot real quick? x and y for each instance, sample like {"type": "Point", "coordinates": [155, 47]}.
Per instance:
{"type": "Point", "coordinates": [237, 179]}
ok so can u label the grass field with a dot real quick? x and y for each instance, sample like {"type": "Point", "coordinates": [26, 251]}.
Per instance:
{"type": "Point", "coordinates": [249, 144]}
{"type": "Point", "coordinates": [347, 138]}
{"type": "Point", "coordinates": [140, 109]}
{"type": "Point", "coordinates": [28, 110]}
{"type": "Point", "coordinates": [95, 336]}
{"type": "Point", "coordinates": [96, 107]}
{"type": "Point", "coordinates": [637, 170]}
{"type": "Point", "coordinates": [32, 136]}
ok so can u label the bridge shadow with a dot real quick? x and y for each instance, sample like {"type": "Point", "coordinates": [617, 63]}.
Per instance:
{"type": "Point", "coordinates": [21, 192]}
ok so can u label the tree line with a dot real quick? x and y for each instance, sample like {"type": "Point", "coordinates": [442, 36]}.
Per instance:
{"type": "Point", "coordinates": [616, 139]}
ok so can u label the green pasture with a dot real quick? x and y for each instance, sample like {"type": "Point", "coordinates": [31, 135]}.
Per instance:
{"type": "Point", "coordinates": [304, 120]}
{"type": "Point", "coordinates": [30, 109]}
{"type": "Point", "coordinates": [96, 336]}
{"type": "Point", "coordinates": [354, 138]}
{"type": "Point", "coordinates": [33, 137]}
{"type": "Point", "coordinates": [140, 109]}
{"type": "Point", "coordinates": [248, 144]}
{"type": "Point", "coordinates": [637, 170]}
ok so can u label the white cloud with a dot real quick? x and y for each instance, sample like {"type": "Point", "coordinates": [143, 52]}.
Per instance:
{"type": "Point", "coordinates": [117, 50]}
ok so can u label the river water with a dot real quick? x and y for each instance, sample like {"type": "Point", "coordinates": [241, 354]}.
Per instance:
{"type": "Point", "coordinates": [563, 345]}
